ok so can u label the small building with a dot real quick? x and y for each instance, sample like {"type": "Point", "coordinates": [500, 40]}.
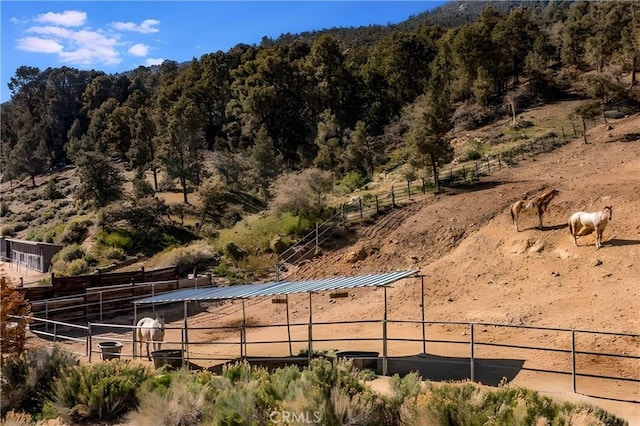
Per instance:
{"type": "Point", "coordinates": [33, 255]}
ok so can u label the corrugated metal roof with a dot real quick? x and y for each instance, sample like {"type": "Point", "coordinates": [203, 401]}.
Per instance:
{"type": "Point", "coordinates": [278, 288]}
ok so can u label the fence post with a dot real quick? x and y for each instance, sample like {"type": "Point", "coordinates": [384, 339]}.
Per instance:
{"type": "Point", "coordinates": [573, 360]}
{"type": "Point", "coordinates": [472, 363]}
{"type": "Point", "coordinates": [477, 171]}
{"type": "Point", "coordinates": [393, 197]}
{"type": "Point", "coordinates": [464, 174]}
{"type": "Point", "coordinates": [488, 164]}
{"type": "Point", "coordinates": [46, 315]}
{"type": "Point", "coordinates": [499, 162]}
{"type": "Point", "coordinates": [575, 135]}
{"type": "Point", "coordinates": [409, 188]}
{"type": "Point", "coordinates": [87, 340]}
{"type": "Point", "coordinates": [344, 218]}
{"type": "Point", "coordinates": [424, 332]}
{"type": "Point", "coordinates": [100, 305]}
{"type": "Point", "coordinates": [533, 152]}
{"type": "Point", "coordinates": [360, 206]}
{"type": "Point", "coordinates": [424, 187]}
{"type": "Point", "coordinates": [185, 342]}
{"type": "Point", "coordinates": [90, 341]}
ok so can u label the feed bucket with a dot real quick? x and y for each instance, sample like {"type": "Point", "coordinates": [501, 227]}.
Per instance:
{"type": "Point", "coordinates": [361, 359]}
{"type": "Point", "coordinates": [110, 350]}
{"type": "Point", "coordinates": [171, 357]}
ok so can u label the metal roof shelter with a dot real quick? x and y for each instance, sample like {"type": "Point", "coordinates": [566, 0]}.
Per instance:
{"type": "Point", "coordinates": [284, 288]}
{"type": "Point", "coordinates": [278, 288]}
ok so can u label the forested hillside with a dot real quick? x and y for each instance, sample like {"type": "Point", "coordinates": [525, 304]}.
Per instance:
{"type": "Point", "coordinates": [231, 132]}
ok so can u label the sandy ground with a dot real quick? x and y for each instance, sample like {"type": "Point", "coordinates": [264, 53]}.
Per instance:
{"type": "Point", "coordinates": [477, 268]}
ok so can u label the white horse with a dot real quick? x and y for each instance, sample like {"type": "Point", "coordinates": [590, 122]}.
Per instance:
{"type": "Point", "coordinates": [150, 330]}
{"type": "Point", "coordinates": [583, 223]}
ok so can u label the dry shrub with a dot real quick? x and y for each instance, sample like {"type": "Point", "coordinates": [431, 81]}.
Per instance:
{"type": "Point", "coordinates": [12, 330]}
{"type": "Point", "coordinates": [180, 404]}
{"type": "Point", "coordinates": [16, 418]}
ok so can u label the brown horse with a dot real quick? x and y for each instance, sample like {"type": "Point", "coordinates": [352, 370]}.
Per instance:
{"type": "Point", "coordinates": [539, 203]}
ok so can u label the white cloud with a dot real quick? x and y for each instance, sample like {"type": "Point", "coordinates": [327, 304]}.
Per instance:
{"type": "Point", "coordinates": [68, 18]}
{"type": "Point", "coordinates": [146, 27]}
{"type": "Point", "coordinates": [52, 31]}
{"type": "Point", "coordinates": [18, 21]}
{"type": "Point", "coordinates": [153, 61]}
{"type": "Point", "coordinates": [67, 36]}
{"type": "Point", "coordinates": [39, 45]}
{"type": "Point", "coordinates": [139, 49]}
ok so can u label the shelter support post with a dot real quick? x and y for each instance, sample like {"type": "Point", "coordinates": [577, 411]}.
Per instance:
{"type": "Point", "coordinates": [89, 341]}
{"type": "Point", "coordinates": [244, 327]}
{"type": "Point", "coordinates": [384, 335]}
{"type": "Point", "coordinates": [424, 332]}
{"type": "Point", "coordinates": [288, 325]}
{"type": "Point", "coordinates": [310, 348]}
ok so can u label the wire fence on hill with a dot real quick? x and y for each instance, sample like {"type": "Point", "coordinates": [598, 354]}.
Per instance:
{"type": "Point", "coordinates": [369, 205]}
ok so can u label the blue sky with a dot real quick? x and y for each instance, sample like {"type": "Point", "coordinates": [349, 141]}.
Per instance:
{"type": "Point", "coordinates": [115, 36]}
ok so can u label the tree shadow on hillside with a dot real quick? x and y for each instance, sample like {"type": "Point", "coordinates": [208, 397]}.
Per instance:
{"type": "Point", "coordinates": [472, 186]}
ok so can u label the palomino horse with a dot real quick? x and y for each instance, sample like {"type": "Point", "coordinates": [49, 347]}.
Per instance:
{"type": "Point", "coordinates": [583, 223]}
{"type": "Point", "coordinates": [150, 330]}
{"type": "Point", "coordinates": [538, 203]}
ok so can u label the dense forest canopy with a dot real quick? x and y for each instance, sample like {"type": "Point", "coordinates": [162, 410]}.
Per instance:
{"type": "Point", "coordinates": [339, 100]}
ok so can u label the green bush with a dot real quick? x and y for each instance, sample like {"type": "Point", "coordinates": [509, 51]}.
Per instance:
{"type": "Point", "coordinates": [235, 252]}
{"type": "Point", "coordinates": [69, 253]}
{"type": "Point", "coordinates": [142, 188]}
{"type": "Point", "coordinates": [75, 232]}
{"type": "Point", "coordinates": [13, 228]}
{"type": "Point", "coordinates": [173, 398]}
{"type": "Point", "coordinates": [47, 216]}
{"type": "Point", "coordinates": [77, 267]}
{"type": "Point", "coordinates": [52, 233]}
{"type": "Point", "coordinates": [27, 379]}
{"type": "Point", "coordinates": [4, 209]}
{"type": "Point", "coordinates": [350, 182]}
{"type": "Point", "coordinates": [402, 388]}
{"type": "Point", "coordinates": [471, 404]}
{"type": "Point", "coordinates": [115, 253]}
{"type": "Point", "coordinates": [102, 392]}
{"type": "Point", "coordinates": [115, 239]}
{"type": "Point", "coordinates": [8, 231]}
{"type": "Point", "coordinates": [50, 191]}
{"type": "Point", "coordinates": [473, 154]}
